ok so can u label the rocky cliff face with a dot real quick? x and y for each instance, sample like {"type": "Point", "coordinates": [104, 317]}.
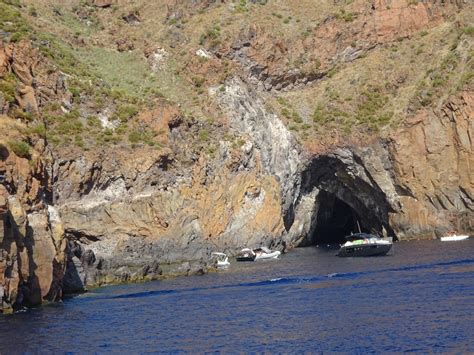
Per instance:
{"type": "Point", "coordinates": [32, 243]}
{"type": "Point", "coordinates": [111, 204]}
{"type": "Point", "coordinates": [100, 186]}
{"type": "Point", "coordinates": [340, 37]}
{"type": "Point", "coordinates": [416, 183]}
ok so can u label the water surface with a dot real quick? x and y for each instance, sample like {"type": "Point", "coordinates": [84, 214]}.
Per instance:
{"type": "Point", "coordinates": [418, 298]}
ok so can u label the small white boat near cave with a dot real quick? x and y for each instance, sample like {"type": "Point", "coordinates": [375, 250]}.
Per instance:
{"type": "Point", "coordinates": [453, 238]}
{"type": "Point", "coordinates": [222, 260]}
{"type": "Point", "coordinates": [264, 253]}
{"type": "Point", "coordinates": [261, 253]}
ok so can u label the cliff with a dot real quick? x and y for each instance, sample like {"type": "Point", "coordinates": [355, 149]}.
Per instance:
{"type": "Point", "coordinates": [138, 138]}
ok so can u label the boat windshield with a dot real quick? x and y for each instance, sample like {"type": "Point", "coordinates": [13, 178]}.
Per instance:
{"type": "Point", "coordinates": [358, 236]}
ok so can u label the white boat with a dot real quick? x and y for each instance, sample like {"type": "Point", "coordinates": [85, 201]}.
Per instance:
{"type": "Point", "coordinates": [221, 259]}
{"type": "Point", "coordinates": [263, 253]}
{"type": "Point", "coordinates": [453, 238]}
{"type": "Point", "coordinates": [364, 244]}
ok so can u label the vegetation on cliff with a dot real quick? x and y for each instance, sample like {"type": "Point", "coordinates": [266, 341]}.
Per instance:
{"type": "Point", "coordinates": [163, 130]}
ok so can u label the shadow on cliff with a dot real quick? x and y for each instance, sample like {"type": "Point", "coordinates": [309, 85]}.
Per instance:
{"type": "Point", "coordinates": [31, 287]}
{"type": "Point", "coordinates": [20, 289]}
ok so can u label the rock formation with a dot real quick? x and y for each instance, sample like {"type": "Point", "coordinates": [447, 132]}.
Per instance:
{"type": "Point", "coordinates": [105, 179]}
{"type": "Point", "coordinates": [32, 244]}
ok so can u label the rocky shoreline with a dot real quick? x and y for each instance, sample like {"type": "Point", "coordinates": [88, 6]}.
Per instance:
{"type": "Point", "coordinates": [108, 235]}
{"type": "Point", "coordinates": [152, 192]}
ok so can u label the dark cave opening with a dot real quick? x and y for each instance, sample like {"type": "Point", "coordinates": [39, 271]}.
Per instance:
{"type": "Point", "coordinates": [335, 220]}
{"type": "Point", "coordinates": [340, 197]}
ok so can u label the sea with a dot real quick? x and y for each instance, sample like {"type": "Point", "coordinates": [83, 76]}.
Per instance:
{"type": "Point", "coordinates": [419, 298]}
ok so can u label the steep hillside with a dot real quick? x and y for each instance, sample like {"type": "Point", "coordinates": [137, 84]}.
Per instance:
{"type": "Point", "coordinates": [137, 137]}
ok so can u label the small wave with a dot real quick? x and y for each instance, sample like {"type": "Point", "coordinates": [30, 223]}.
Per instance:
{"type": "Point", "coordinates": [143, 294]}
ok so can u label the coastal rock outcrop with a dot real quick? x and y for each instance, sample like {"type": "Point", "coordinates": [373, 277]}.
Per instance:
{"type": "Point", "coordinates": [32, 243]}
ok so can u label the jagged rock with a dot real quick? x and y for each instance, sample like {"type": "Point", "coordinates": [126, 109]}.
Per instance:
{"type": "Point", "coordinates": [123, 274]}
{"type": "Point", "coordinates": [32, 248]}
{"type": "Point", "coordinates": [39, 83]}
{"type": "Point", "coordinates": [33, 260]}
{"type": "Point", "coordinates": [193, 268]}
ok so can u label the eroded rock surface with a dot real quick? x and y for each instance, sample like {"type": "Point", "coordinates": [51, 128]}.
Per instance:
{"type": "Point", "coordinates": [32, 243]}
{"type": "Point", "coordinates": [342, 37]}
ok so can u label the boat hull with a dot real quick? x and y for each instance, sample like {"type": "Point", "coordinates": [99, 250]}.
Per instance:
{"type": "Point", "coordinates": [245, 258]}
{"type": "Point", "coordinates": [273, 255]}
{"type": "Point", "coordinates": [454, 238]}
{"type": "Point", "coordinates": [364, 250]}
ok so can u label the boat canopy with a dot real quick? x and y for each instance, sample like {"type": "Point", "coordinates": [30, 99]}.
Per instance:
{"type": "Point", "coordinates": [358, 236]}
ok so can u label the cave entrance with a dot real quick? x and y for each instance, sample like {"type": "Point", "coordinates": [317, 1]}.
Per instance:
{"type": "Point", "coordinates": [334, 220]}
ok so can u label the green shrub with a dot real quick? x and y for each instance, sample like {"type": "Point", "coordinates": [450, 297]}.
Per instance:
{"type": "Point", "coordinates": [286, 112]}
{"type": "Point", "coordinates": [32, 11]}
{"type": "Point", "coordinates": [93, 121]}
{"type": "Point", "coordinates": [11, 20]}
{"type": "Point", "coordinates": [319, 115]}
{"type": "Point", "coordinates": [134, 137]}
{"type": "Point", "coordinates": [204, 135]}
{"type": "Point", "coordinates": [469, 30]}
{"type": "Point", "coordinates": [296, 117]}
{"type": "Point", "coordinates": [38, 129]}
{"type": "Point", "coordinates": [346, 16]}
{"type": "Point", "coordinates": [20, 148]}
{"type": "Point", "coordinates": [142, 135]}
{"type": "Point", "coordinates": [198, 81]}
{"type": "Point", "coordinates": [125, 112]}
{"type": "Point", "coordinates": [241, 6]}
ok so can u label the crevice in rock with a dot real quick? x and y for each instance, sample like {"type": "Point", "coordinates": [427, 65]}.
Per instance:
{"type": "Point", "coordinates": [80, 236]}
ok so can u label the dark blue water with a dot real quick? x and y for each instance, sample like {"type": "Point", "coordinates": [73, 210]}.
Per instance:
{"type": "Point", "coordinates": [420, 298]}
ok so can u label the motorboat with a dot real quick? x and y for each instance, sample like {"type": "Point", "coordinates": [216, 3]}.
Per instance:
{"type": "Point", "coordinates": [364, 244]}
{"type": "Point", "coordinates": [264, 253]}
{"type": "Point", "coordinates": [246, 254]}
{"type": "Point", "coordinates": [453, 238]}
{"type": "Point", "coordinates": [221, 259]}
